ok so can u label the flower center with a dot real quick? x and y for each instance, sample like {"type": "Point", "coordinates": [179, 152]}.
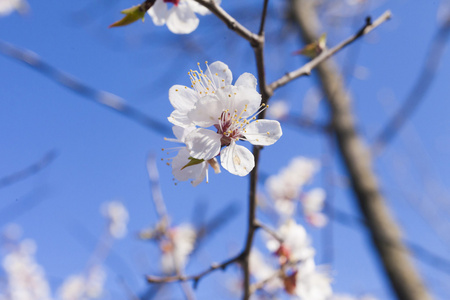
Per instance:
{"type": "Point", "coordinates": [175, 2]}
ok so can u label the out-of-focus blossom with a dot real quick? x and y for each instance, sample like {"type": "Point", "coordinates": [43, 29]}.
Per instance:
{"type": "Point", "coordinates": [9, 6]}
{"type": "Point", "coordinates": [84, 287]}
{"type": "Point", "coordinates": [313, 203]}
{"type": "Point", "coordinates": [311, 284]}
{"type": "Point", "coordinates": [350, 297]}
{"type": "Point", "coordinates": [180, 18]}
{"type": "Point", "coordinates": [295, 245]}
{"type": "Point", "coordinates": [286, 186]}
{"type": "Point", "coordinates": [278, 110]}
{"type": "Point", "coordinates": [261, 270]}
{"type": "Point", "coordinates": [25, 278]}
{"type": "Point", "coordinates": [117, 216]}
{"type": "Point", "coordinates": [177, 247]}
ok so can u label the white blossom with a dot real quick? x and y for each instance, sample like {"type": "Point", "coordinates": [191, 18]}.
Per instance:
{"type": "Point", "coordinates": [231, 109]}
{"type": "Point", "coordinates": [25, 278]}
{"type": "Point", "coordinates": [177, 247]}
{"type": "Point", "coordinates": [311, 284]}
{"type": "Point", "coordinates": [180, 18]}
{"type": "Point", "coordinates": [8, 6]}
{"type": "Point", "coordinates": [313, 203]}
{"type": "Point", "coordinates": [84, 287]}
{"type": "Point", "coordinates": [286, 186]}
{"type": "Point", "coordinates": [278, 110]}
{"type": "Point", "coordinates": [183, 167]}
{"type": "Point", "coordinates": [117, 216]}
{"type": "Point", "coordinates": [295, 245]}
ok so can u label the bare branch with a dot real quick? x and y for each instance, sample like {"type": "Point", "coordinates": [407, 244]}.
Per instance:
{"type": "Point", "coordinates": [102, 98]}
{"type": "Point", "coordinates": [402, 274]}
{"type": "Point", "coordinates": [307, 68]}
{"type": "Point", "coordinates": [194, 278]}
{"type": "Point", "coordinates": [263, 18]}
{"type": "Point", "coordinates": [47, 159]}
{"type": "Point", "coordinates": [230, 21]}
{"type": "Point", "coordinates": [269, 230]}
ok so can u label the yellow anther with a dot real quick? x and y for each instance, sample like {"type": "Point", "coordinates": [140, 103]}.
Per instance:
{"type": "Point", "coordinates": [167, 163]}
{"type": "Point", "coordinates": [223, 80]}
{"type": "Point", "coordinates": [229, 96]}
{"type": "Point", "coordinates": [176, 90]}
{"type": "Point", "coordinates": [235, 93]}
{"type": "Point", "coordinates": [198, 64]}
{"type": "Point", "coordinates": [206, 61]}
{"type": "Point", "coordinates": [162, 149]}
{"type": "Point", "coordinates": [268, 133]}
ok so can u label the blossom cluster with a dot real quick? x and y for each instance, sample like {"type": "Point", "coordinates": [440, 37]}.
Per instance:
{"type": "Point", "coordinates": [295, 272]}
{"type": "Point", "coordinates": [287, 187]}
{"type": "Point", "coordinates": [9, 6]}
{"type": "Point", "coordinates": [211, 116]}
{"type": "Point", "coordinates": [26, 280]}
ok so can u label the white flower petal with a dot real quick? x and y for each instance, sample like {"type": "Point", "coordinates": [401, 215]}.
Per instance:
{"type": "Point", "coordinates": [263, 132]}
{"type": "Point", "coordinates": [207, 111]}
{"type": "Point", "coordinates": [237, 160]}
{"type": "Point", "coordinates": [181, 19]}
{"type": "Point", "coordinates": [158, 12]}
{"type": "Point", "coordinates": [179, 118]}
{"type": "Point", "coordinates": [181, 132]}
{"type": "Point", "coordinates": [182, 98]}
{"type": "Point", "coordinates": [247, 80]}
{"type": "Point", "coordinates": [198, 8]}
{"type": "Point", "coordinates": [220, 74]}
{"type": "Point", "coordinates": [203, 143]}
{"type": "Point", "coordinates": [196, 172]}
{"type": "Point", "coordinates": [250, 97]}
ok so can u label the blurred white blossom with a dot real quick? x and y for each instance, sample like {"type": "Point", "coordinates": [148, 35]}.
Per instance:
{"type": "Point", "coordinates": [177, 247]}
{"type": "Point", "coordinates": [313, 203]}
{"type": "Point", "coordinates": [25, 278]}
{"type": "Point", "coordinates": [286, 186]}
{"type": "Point", "coordinates": [295, 244]}
{"type": "Point", "coordinates": [180, 18]}
{"type": "Point", "coordinates": [278, 110]}
{"type": "Point", "coordinates": [117, 216]}
{"type": "Point", "coordinates": [84, 287]}
{"type": "Point", "coordinates": [9, 6]}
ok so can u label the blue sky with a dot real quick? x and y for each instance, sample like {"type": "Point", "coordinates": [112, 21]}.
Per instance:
{"type": "Point", "coordinates": [102, 155]}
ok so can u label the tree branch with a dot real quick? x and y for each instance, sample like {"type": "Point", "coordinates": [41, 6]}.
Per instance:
{"type": "Point", "coordinates": [48, 158]}
{"type": "Point", "coordinates": [102, 98]}
{"type": "Point", "coordinates": [403, 277]}
{"type": "Point", "coordinates": [307, 68]}
{"type": "Point", "coordinates": [195, 278]}
{"type": "Point", "coordinates": [230, 21]}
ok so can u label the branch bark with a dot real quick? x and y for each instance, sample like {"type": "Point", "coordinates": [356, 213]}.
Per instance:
{"type": "Point", "coordinates": [402, 275]}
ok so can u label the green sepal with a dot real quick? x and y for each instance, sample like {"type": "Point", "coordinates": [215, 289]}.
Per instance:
{"type": "Point", "coordinates": [193, 162]}
{"type": "Point", "coordinates": [315, 48]}
{"type": "Point", "coordinates": [132, 14]}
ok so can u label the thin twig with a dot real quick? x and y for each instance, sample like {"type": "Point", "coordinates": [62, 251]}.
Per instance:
{"type": "Point", "coordinates": [102, 98]}
{"type": "Point", "coordinates": [269, 230]}
{"type": "Point", "coordinates": [194, 278]}
{"type": "Point", "coordinates": [230, 21]}
{"type": "Point", "coordinates": [47, 159]}
{"type": "Point", "coordinates": [263, 18]}
{"type": "Point", "coordinates": [307, 68]}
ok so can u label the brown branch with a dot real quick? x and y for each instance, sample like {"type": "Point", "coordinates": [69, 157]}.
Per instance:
{"type": "Point", "coordinates": [418, 91]}
{"type": "Point", "coordinates": [269, 230]}
{"type": "Point", "coordinates": [29, 171]}
{"type": "Point", "coordinates": [102, 98]}
{"type": "Point", "coordinates": [308, 67]}
{"type": "Point", "coordinates": [402, 275]}
{"type": "Point", "coordinates": [194, 278]}
{"type": "Point", "coordinates": [230, 21]}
